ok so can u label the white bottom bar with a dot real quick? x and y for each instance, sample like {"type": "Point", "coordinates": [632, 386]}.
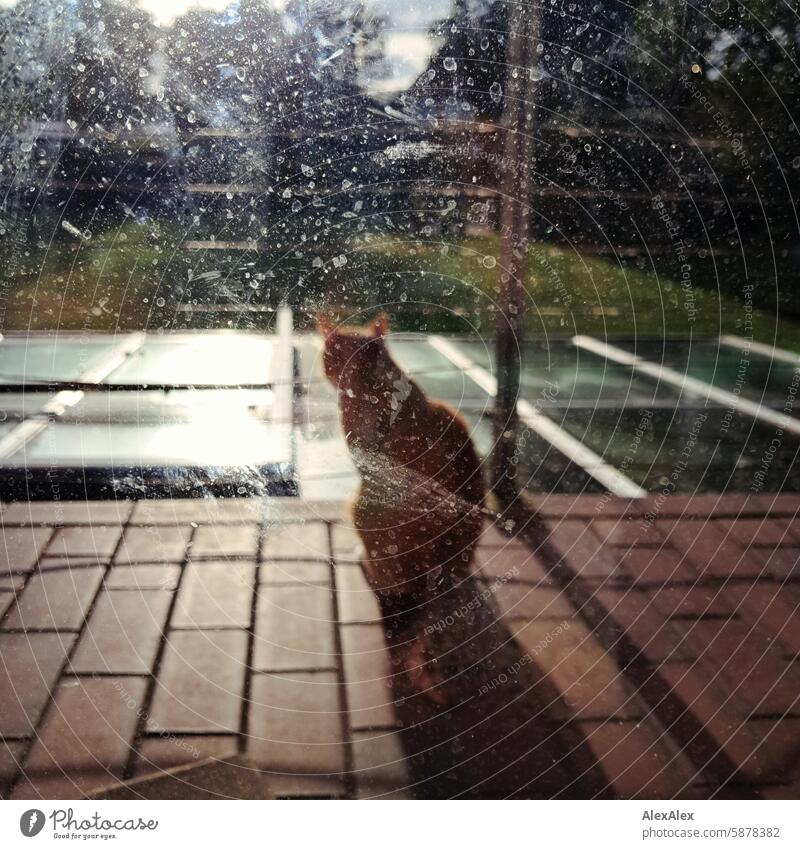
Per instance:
{"type": "Point", "coordinates": [605, 824]}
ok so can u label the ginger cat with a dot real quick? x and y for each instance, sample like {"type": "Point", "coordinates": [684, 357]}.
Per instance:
{"type": "Point", "coordinates": [418, 509]}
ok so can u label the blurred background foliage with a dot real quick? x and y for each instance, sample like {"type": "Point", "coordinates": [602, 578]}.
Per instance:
{"type": "Point", "coordinates": [197, 172]}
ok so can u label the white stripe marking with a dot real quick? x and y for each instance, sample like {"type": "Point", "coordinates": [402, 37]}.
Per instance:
{"type": "Point", "coordinates": [690, 384]}
{"type": "Point", "coordinates": [768, 351]}
{"type": "Point", "coordinates": [612, 479]}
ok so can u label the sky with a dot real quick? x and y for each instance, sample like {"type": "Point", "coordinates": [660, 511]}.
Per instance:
{"type": "Point", "coordinates": [401, 14]}
{"type": "Point", "coordinates": [166, 11]}
{"type": "Point", "coordinates": [407, 45]}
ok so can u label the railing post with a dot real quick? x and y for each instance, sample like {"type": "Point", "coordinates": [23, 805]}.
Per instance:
{"type": "Point", "coordinates": [515, 195]}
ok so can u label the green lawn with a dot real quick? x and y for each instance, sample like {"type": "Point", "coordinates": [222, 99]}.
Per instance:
{"type": "Point", "coordinates": [134, 277]}
{"type": "Point", "coordinates": [569, 293]}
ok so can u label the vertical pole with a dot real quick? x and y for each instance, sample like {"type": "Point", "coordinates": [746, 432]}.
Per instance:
{"type": "Point", "coordinates": [515, 196]}
{"type": "Point", "coordinates": [284, 389]}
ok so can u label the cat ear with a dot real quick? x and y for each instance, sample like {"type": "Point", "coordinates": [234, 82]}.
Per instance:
{"type": "Point", "coordinates": [380, 325]}
{"type": "Point", "coordinates": [324, 325]}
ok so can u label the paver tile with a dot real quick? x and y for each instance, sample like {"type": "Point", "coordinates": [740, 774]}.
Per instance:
{"type": "Point", "coordinates": [379, 762]}
{"type": "Point", "coordinates": [627, 532]}
{"type": "Point", "coordinates": [295, 572]}
{"type": "Point", "coordinates": [582, 549]}
{"type": "Point", "coordinates": [163, 576]}
{"type": "Point", "coordinates": [635, 615]}
{"type": "Point", "coordinates": [215, 594]}
{"type": "Point", "coordinates": [159, 753]}
{"type": "Point", "coordinates": [640, 760]}
{"type": "Point", "coordinates": [123, 633]}
{"type": "Point", "coordinates": [154, 544]}
{"type": "Point", "coordinates": [29, 668]}
{"type": "Point", "coordinates": [655, 566]}
{"type": "Point", "coordinates": [301, 541]}
{"type": "Point", "coordinates": [758, 532]}
{"type": "Point", "coordinates": [347, 545]}
{"type": "Point", "coordinates": [708, 549]}
{"type": "Point", "coordinates": [512, 563]}
{"type": "Point", "coordinates": [521, 601]}
{"type": "Point", "coordinates": [201, 683]}
{"type": "Point", "coordinates": [708, 698]}
{"type": "Point", "coordinates": [178, 511]}
{"type": "Point", "coordinates": [11, 583]}
{"type": "Point", "coordinates": [98, 541]}
{"type": "Point", "coordinates": [296, 724]}
{"type": "Point", "coordinates": [782, 563]}
{"type": "Point", "coordinates": [694, 601]}
{"type": "Point", "coordinates": [294, 628]}
{"type": "Point", "coordinates": [774, 610]}
{"type": "Point", "coordinates": [6, 600]}
{"type": "Point", "coordinates": [20, 548]}
{"type": "Point", "coordinates": [68, 512]}
{"type": "Point", "coordinates": [368, 677]}
{"type": "Point", "coordinates": [590, 682]}
{"type": "Point", "coordinates": [10, 762]}
{"type": "Point", "coordinates": [225, 541]}
{"type": "Point", "coordinates": [356, 601]}
{"type": "Point", "coordinates": [85, 740]}
{"type": "Point", "coordinates": [55, 600]}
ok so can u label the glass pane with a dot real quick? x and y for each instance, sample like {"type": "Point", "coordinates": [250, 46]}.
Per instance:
{"type": "Point", "coordinates": [233, 440]}
{"type": "Point", "coordinates": [47, 358]}
{"type": "Point", "coordinates": [202, 359]}
{"type": "Point", "coordinates": [469, 331]}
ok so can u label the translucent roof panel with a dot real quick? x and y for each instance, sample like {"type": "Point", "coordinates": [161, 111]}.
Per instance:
{"type": "Point", "coordinates": [203, 358]}
{"type": "Point", "coordinates": [231, 438]}
{"type": "Point", "coordinates": [44, 357]}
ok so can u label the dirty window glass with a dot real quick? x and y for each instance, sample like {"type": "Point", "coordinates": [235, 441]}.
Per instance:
{"type": "Point", "coordinates": [577, 217]}
{"type": "Point", "coordinates": [398, 398]}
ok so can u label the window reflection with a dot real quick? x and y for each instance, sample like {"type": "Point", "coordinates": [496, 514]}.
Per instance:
{"type": "Point", "coordinates": [194, 165]}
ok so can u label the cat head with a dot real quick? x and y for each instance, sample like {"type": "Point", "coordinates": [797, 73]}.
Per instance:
{"type": "Point", "coordinates": [352, 352]}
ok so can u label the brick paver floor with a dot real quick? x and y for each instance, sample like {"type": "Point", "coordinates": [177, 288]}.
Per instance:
{"type": "Point", "coordinates": [696, 599]}
{"type": "Point", "coordinates": [608, 648]}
